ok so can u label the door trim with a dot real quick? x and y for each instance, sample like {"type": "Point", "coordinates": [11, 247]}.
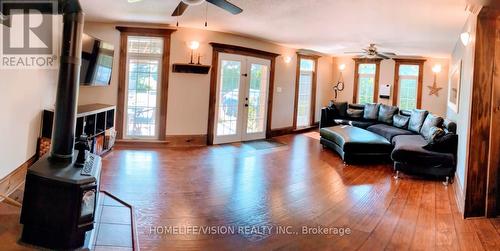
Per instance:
{"type": "Point", "coordinates": [125, 32]}
{"type": "Point", "coordinates": [244, 51]}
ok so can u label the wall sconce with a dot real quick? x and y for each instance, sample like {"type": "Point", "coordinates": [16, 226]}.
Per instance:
{"type": "Point", "coordinates": [194, 45]}
{"type": "Point", "coordinates": [339, 86]}
{"type": "Point", "coordinates": [287, 59]}
{"type": "Point", "coordinates": [465, 38]}
{"type": "Point", "coordinates": [434, 89]}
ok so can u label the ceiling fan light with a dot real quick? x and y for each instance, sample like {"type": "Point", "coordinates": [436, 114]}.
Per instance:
{"type": "Point", "coordinates": [193, 2]}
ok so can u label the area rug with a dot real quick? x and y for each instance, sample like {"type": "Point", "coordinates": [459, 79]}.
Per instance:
{"type": "Point", "coordinates": [264, 144]}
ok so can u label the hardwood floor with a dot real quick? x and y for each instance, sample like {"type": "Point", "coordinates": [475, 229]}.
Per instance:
{"type": "Point", "coordinates": [294, 185]}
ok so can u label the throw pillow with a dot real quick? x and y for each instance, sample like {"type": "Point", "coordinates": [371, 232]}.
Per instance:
{"type": "Point", "coordinates": [353, 113]}
{"type": "Point", "coordinates": [445, 144]}
{"type": "Point", "coordinates": [416, 120]}
{"type": "Point", "coordinates": [434, 134]}
{"type": "Point", "coordinates": [371, 111]}
{"type": "Point", "coordinates": [340, 108]}
{"type": "Point", "coordinates": [386, 112]}
{"type": "Point", "coordinates": [430, 121]}
{"type": "Point", "coordinates": [400, 121]}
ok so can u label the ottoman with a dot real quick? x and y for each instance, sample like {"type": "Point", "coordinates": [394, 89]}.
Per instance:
{"type": "Point", "coordinates": [355, 144]}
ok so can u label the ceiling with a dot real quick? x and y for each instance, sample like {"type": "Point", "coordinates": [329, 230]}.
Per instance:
{"type": "Point", "coordinates": [407, 27]}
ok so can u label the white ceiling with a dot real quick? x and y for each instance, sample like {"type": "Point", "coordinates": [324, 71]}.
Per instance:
{"type": "Point", "coordinates": [407, 27]}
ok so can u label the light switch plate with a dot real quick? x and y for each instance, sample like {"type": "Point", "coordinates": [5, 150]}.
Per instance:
{"type": "Point", "coordinates": [279, 89]}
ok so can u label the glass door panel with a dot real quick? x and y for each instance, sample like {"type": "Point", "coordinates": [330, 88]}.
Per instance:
{"type": "Point", "coordinates": [256, 98]}
{"type": "Point", "coordinates": [142, 98]}
{"type": "Point", "coordinates": [229, 97]}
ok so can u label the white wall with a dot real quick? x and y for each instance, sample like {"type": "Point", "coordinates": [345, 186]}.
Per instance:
{"type": "Point", "coordinates": [466, 54]}
{"type": "Point", "coordinates": [188, 96]}
{"type": "Point", "coordinates": [436, 105]}
{"type": "Point", "coordinates": [24, 95]}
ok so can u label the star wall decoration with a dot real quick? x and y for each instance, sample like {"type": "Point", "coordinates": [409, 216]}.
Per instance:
{"type": "Point", "coordinates": [434, 89]}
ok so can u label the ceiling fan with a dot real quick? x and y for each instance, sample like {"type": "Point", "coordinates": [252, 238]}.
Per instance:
{"type": "Point", "coordinates": [184, 4]}
{"type": "Point", "coordinates": [372, 52]}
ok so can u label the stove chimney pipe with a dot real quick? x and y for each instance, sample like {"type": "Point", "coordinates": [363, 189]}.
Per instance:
{"type": "Point", "coordinates": [63, 133]}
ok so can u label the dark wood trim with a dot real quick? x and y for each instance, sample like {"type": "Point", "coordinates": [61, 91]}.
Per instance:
{"type": "Point", "coordinates": [16, 178]}
{"type": "Point", "coordinates": [122, 74]}
{"type": "Point", "coordinates": [483, 140]}
{"type": "Point", "coordinates": [281, 131]}
{"type": "Point", "coordinates": [405, 61]}
{"type": "Point", "coordinates": [125, 32]}
{"type": "Point", "coordinates": [244, 51]}
{"type": "Point", "coordinates": [234, 49]}
{"type": "Point", "coordinates": [357, 62]}
{"type": "Point", "coordinates": [141, 31]}
{"type": "Point", "coordinates": [313, 88]}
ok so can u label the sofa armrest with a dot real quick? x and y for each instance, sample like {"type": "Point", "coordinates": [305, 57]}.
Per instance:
{"type": "Point", "coordinates": [327, 117]}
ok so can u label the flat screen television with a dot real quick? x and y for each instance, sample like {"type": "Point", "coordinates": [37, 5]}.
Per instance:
{"type": "Point", "coordinates": [97, 62]}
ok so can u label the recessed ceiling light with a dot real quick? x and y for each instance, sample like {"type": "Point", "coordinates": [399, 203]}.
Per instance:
{"type": "Point", "coordinates": [134, 1]}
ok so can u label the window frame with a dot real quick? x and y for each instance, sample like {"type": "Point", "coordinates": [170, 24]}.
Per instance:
{"type": "Point", "coordinates": [357, 62]}
{"type": "Point", "coordinates": [144, 56]}
{"type": "Point", "coordinates": [125, 32]}
{"type": "Point", "coordinates": [420, 79]}
{"type": "Point", "coordinates": [314, 58]}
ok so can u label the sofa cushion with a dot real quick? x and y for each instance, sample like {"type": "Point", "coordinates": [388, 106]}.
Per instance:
{"type": "Point", "coordinates": [354, 122]}
{"type": "Point", "coordinates": [446, 144]}
{"type": "Point", "coordinates": [400, 121]}
{"type": "Point", "coordinates": [416, 120]}
{"type": "Point", "coordinates": [386, 112]}
{"type": "Point", "coordinates": [410, 149]}
{"type": "Point", "coordinates": [371, 111]}
{"type": "Point", "coordinates": [430, 121]}
{"type": "Point", "coordinates": [353, 113]}
{"type": "Point", "coordinates": [340, 108]}
{"type": "Point", "coordinates": [356, 106]}
{"type": "Point", "coordinates": [357, 140]}
{"type": "Point", "coordinates": [388, 131]}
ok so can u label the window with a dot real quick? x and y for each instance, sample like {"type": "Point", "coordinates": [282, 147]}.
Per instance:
{"type": "Point", "coordinates": [408, 84]}
{"type": "Point", "coordinates": [366, 81]}
{"type": "Point", "coordinates": [144, 59]}
{"type": "Point", "coordinates": [305, 93]}
{"type": "Point", "coordinates": [143, 83]}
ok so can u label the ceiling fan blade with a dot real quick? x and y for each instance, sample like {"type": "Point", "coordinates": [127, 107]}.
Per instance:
{"type": "Point", "coordinates": [388, 53]}
{"type": "Point", "coordinates": [226, 6]}
{"type": "Point", "coordinates": [382, 56]}
{"type": "Point", "coordinates": [353, 52]}
{"type": "Point", "coordinates": [180, 9]}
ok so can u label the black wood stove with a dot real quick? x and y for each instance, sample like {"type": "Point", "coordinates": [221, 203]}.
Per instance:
{"type": "Point", "coordinates": [61, 189]}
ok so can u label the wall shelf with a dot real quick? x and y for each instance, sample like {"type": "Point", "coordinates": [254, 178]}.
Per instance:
{"type": "Point", "coordinates": [191, 68]}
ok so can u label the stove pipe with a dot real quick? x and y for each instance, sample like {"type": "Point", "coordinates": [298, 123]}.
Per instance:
{"type": "Point", "coordinates": [63, 132]}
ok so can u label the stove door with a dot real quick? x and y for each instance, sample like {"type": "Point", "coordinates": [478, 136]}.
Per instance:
{"type": "Point", "coordinates": [88, 195]}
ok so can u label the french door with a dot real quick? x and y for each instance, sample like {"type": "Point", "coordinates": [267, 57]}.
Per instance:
{"type": "Point", "coordinates": [242, 96]}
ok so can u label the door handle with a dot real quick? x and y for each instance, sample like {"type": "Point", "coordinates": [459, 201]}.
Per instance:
{"type": "Point", "coordinates": [246, 105]}
{"type": "Point", "coordinates": [244, 75]}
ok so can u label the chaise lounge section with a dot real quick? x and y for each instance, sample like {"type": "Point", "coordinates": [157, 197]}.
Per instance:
{"type": "Point", "coordinates": [419, 143]}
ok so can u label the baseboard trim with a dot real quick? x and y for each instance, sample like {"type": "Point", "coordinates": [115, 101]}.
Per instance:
{"type": "Point", "coordinates": [459, 195]}
{"type": "Point", "coordinates": [170, 141]}
{"type": "Point", "coordinates": [16, 178]}
{"type": "Point", "coordinates": [186, 140]}
{"type": "Point", "coordinates": [281, 131]}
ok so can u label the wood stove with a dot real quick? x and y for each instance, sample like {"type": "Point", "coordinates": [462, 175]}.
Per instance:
{"type": "Point", "coordinates": [61, 189]}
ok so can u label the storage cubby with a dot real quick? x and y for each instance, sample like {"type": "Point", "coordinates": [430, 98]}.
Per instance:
{"type": "Point", "coordinates": [96, 120]}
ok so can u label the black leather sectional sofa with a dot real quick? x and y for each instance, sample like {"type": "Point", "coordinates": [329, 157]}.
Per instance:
{"type": "Point", "coordinates": [418, 142]}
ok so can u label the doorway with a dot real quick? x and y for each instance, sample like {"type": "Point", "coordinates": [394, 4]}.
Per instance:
{"type": "Point", "coordinates": [242, 95]}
